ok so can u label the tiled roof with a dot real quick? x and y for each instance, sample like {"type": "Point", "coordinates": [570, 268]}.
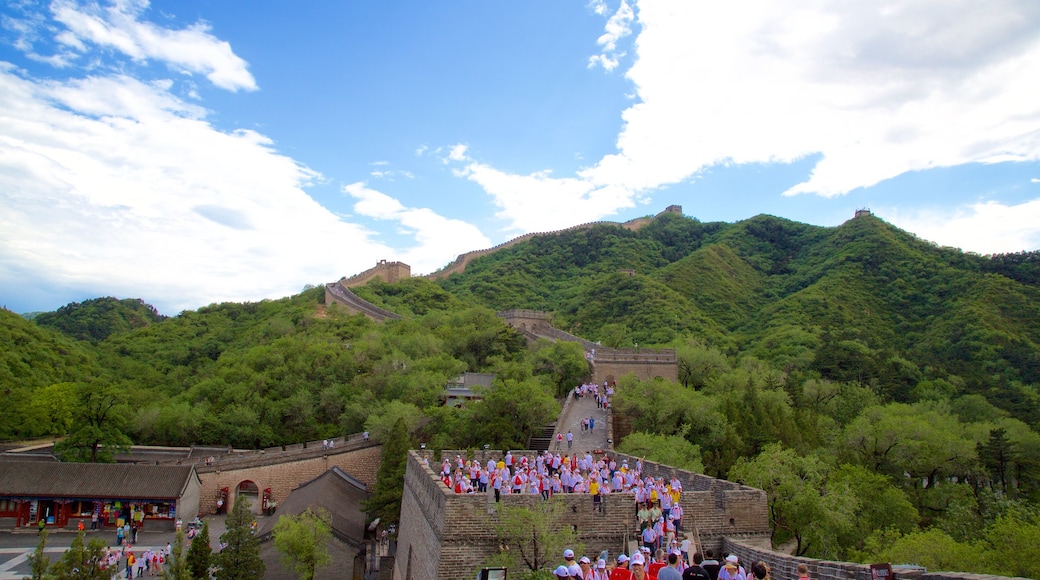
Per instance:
{"type": "Point", "coordinates": [92, 480]}
{"type": "Point", "coordinates": [337, 492]}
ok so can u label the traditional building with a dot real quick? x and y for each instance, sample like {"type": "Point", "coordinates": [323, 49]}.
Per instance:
{"type": "Point", "coordinates": [63, 494]}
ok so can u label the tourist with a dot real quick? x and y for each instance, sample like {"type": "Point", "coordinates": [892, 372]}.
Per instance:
{"type": "Point", "coordinates": [697, 571]}
{"type": "Point", "coordinates": [671, 571]}
{"type": "Point", "coordinates": [711, 565]}
{"type": "Point", "coordinates": [638, 566]}
{"type": "Point", "coordinates": [731, 570]}
{"type": "Point", "coordinates": [621, 571]}
{"type": "Point", "coordinates": [803, 572]}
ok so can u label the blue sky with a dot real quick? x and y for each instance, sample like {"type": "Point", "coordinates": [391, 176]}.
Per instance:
{"type": "Point", "coordinates": [194, 152]}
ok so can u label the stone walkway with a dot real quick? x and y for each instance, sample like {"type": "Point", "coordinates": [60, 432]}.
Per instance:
{"type": "Point", "coordinates": [570, 419]}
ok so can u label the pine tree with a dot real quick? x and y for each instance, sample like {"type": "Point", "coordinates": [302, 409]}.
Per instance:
{"type": "Point", "coordinates": [39, 562]}
{"type": "Point", "coordinates": [83, 560]}
{"type": "Point", "coordinates": [200, 555]}
{"type": "Point", "coordinates": [385, 501]}
{"type": "Point", "coordinates": [177, 567]}
{"type": "Point", "coordinates": [240, 557]}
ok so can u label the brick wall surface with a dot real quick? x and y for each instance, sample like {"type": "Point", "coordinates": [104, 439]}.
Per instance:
{"type": "Point", "coordinates": [785, 566]}
{"type": "Point", "coordinates": [446, 535]}
{"type": "Point", "coordinates": [644, 370]}
{"type": "Point", "coordinates": [282, 478]}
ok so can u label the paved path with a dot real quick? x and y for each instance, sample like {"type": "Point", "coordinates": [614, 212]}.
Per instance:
{"type": "Point", "coordinates": [571, 420]}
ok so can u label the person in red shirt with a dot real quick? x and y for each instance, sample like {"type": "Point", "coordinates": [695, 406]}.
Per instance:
{"type": "Point", "coordinates": [621, 571]}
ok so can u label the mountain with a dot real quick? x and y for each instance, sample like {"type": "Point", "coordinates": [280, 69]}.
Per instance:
{"type": "Point", "coordinates": [862, 301]}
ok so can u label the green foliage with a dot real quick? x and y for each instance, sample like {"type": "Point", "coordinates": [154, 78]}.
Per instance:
{"type": "Point", "coordinates": [800, 507]}
{"type": "Point", "coordinates": [562, 362]}
{"type": "Point", "coordinates": [303, 541]}
{"type": "Point", "coordinates": [177, 566]}
{"type": "Point", "coordinates": [39, 563]}
{"type": "Point", "coordinates": [102, 412]}
{"type": "Point", "coordinates": [82, 560]}
{"type": "Point", "coordinates": [1010, 546]}
{"type": "Point", "coordinates": [97, 319]}
{"type": "Point", "coordinates": [240, 558]}
{"type": "Point", "coordinates": [534, 537]}
{"type": "Point", "coordinates": [200, 555]}
{"type": "Point", "coordinates": [385, 501]}
{"type": "Point", "coordinates": [670, 450]}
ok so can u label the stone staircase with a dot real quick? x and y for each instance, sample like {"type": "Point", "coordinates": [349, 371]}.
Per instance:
{"type": "Point", "coordinates": [541, 440]}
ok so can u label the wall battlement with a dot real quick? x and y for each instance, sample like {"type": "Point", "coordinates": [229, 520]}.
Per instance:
{"type": "Point", "coordinates": [446, 535]}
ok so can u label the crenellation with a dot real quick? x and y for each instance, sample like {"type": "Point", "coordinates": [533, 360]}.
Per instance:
{"type": "Point", "coordinates": [457, 531]}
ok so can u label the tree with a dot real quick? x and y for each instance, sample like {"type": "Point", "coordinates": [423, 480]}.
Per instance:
{"type": "Point", "coordinates": [799, 507]}
{"type": "Point", "coordinates": [534, 536]}
{"type": "Point", "coordinates": [97, 429]}
{"type": "Point", "coordinates": [38, 561]}
{"type": "Point", "coordinates": [82, 560]}
{"type": "Point", "coordinates": [200, 555]}
{"type": "Point", "coordinates": [240, 558]}
{"type": "Point", "coordinates": [303, 541]}
{"type": "Point", "coordinates": [564, 362]}
{"type": "Point", "coordinates": [673, 450]}
{"type": "Point", "coordinates": [385, 501]}
{"type": "Point", "coordinates": [176, 566]}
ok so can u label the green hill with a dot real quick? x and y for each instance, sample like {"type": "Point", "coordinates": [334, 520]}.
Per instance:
{"type": "Point", "coordinates": [97, 319]}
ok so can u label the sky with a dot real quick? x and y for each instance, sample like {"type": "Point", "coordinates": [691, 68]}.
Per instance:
{"type": "Point", "coordinates": [192, 152]}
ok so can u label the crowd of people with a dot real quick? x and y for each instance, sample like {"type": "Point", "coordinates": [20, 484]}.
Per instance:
{"type": "Point", "coordinates": [664, 565]}
{"type": "Point", "coordinates": [137, 565]}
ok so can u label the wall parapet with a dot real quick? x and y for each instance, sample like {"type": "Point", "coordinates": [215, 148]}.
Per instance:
{"type": "Point", "coordinates": [457, 532]}
{"type": "Point", "coordinates": [786, 566]}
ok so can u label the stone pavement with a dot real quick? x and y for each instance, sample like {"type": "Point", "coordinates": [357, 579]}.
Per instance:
{"type": "Point", "coordinates": [570, 419]}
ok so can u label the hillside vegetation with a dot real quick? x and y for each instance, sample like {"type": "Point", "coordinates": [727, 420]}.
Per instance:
{"type": "Point", "coordinates": [883, 390]}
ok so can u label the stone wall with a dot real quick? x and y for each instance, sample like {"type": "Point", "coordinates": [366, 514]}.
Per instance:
{"type": "Point", "coordinates": [390, 272]}
{"type": "Point", "coordinates": [784, 566]}
{"type": "Point", "coordinates": [447, 535]}
{"type": "Point", "coordinates": [645, 366]}
{"type": "Point", "coordinates": [719, 508]}
{"type": "Point", "coordinates": [285, 476]}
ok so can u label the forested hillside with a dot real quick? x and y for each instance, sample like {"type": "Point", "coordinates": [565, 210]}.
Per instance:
{"type": "Point", "coordinates": [884, 391]}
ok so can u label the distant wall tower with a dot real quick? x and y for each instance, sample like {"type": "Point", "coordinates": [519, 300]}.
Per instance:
{"type": "Point", "coordinates": [862, 212]}
{"type": "Point", "coordinates": [676, 209]}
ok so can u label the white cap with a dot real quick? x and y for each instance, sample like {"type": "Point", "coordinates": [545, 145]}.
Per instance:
{"type": "Point", "coordinates": [561, 572]}
{"type": "Point", "coordinates": [638, 559]}
{"type": "Point", "coordinates": [568, 553]}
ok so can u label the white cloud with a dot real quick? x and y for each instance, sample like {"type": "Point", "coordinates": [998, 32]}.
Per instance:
{"type": "Point", "coordinates": [1034, 180]}
{"type": "Point", "coordinates": [435, 235]}
{"type": "Point", "coordinates": [618, 26]}
{"type": "Point", "coordinates": [115, 186]}
{"type": "Point", "coordinates": [457, 153]}
{"type": "Point", "coordinates": [539, 202]}
{"type": "Point", "coordinates": [117, 27]}
{"type": "Point", "coordinates": [875, 89]}
{"type": "Point", "coordinates": [986, 227]}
